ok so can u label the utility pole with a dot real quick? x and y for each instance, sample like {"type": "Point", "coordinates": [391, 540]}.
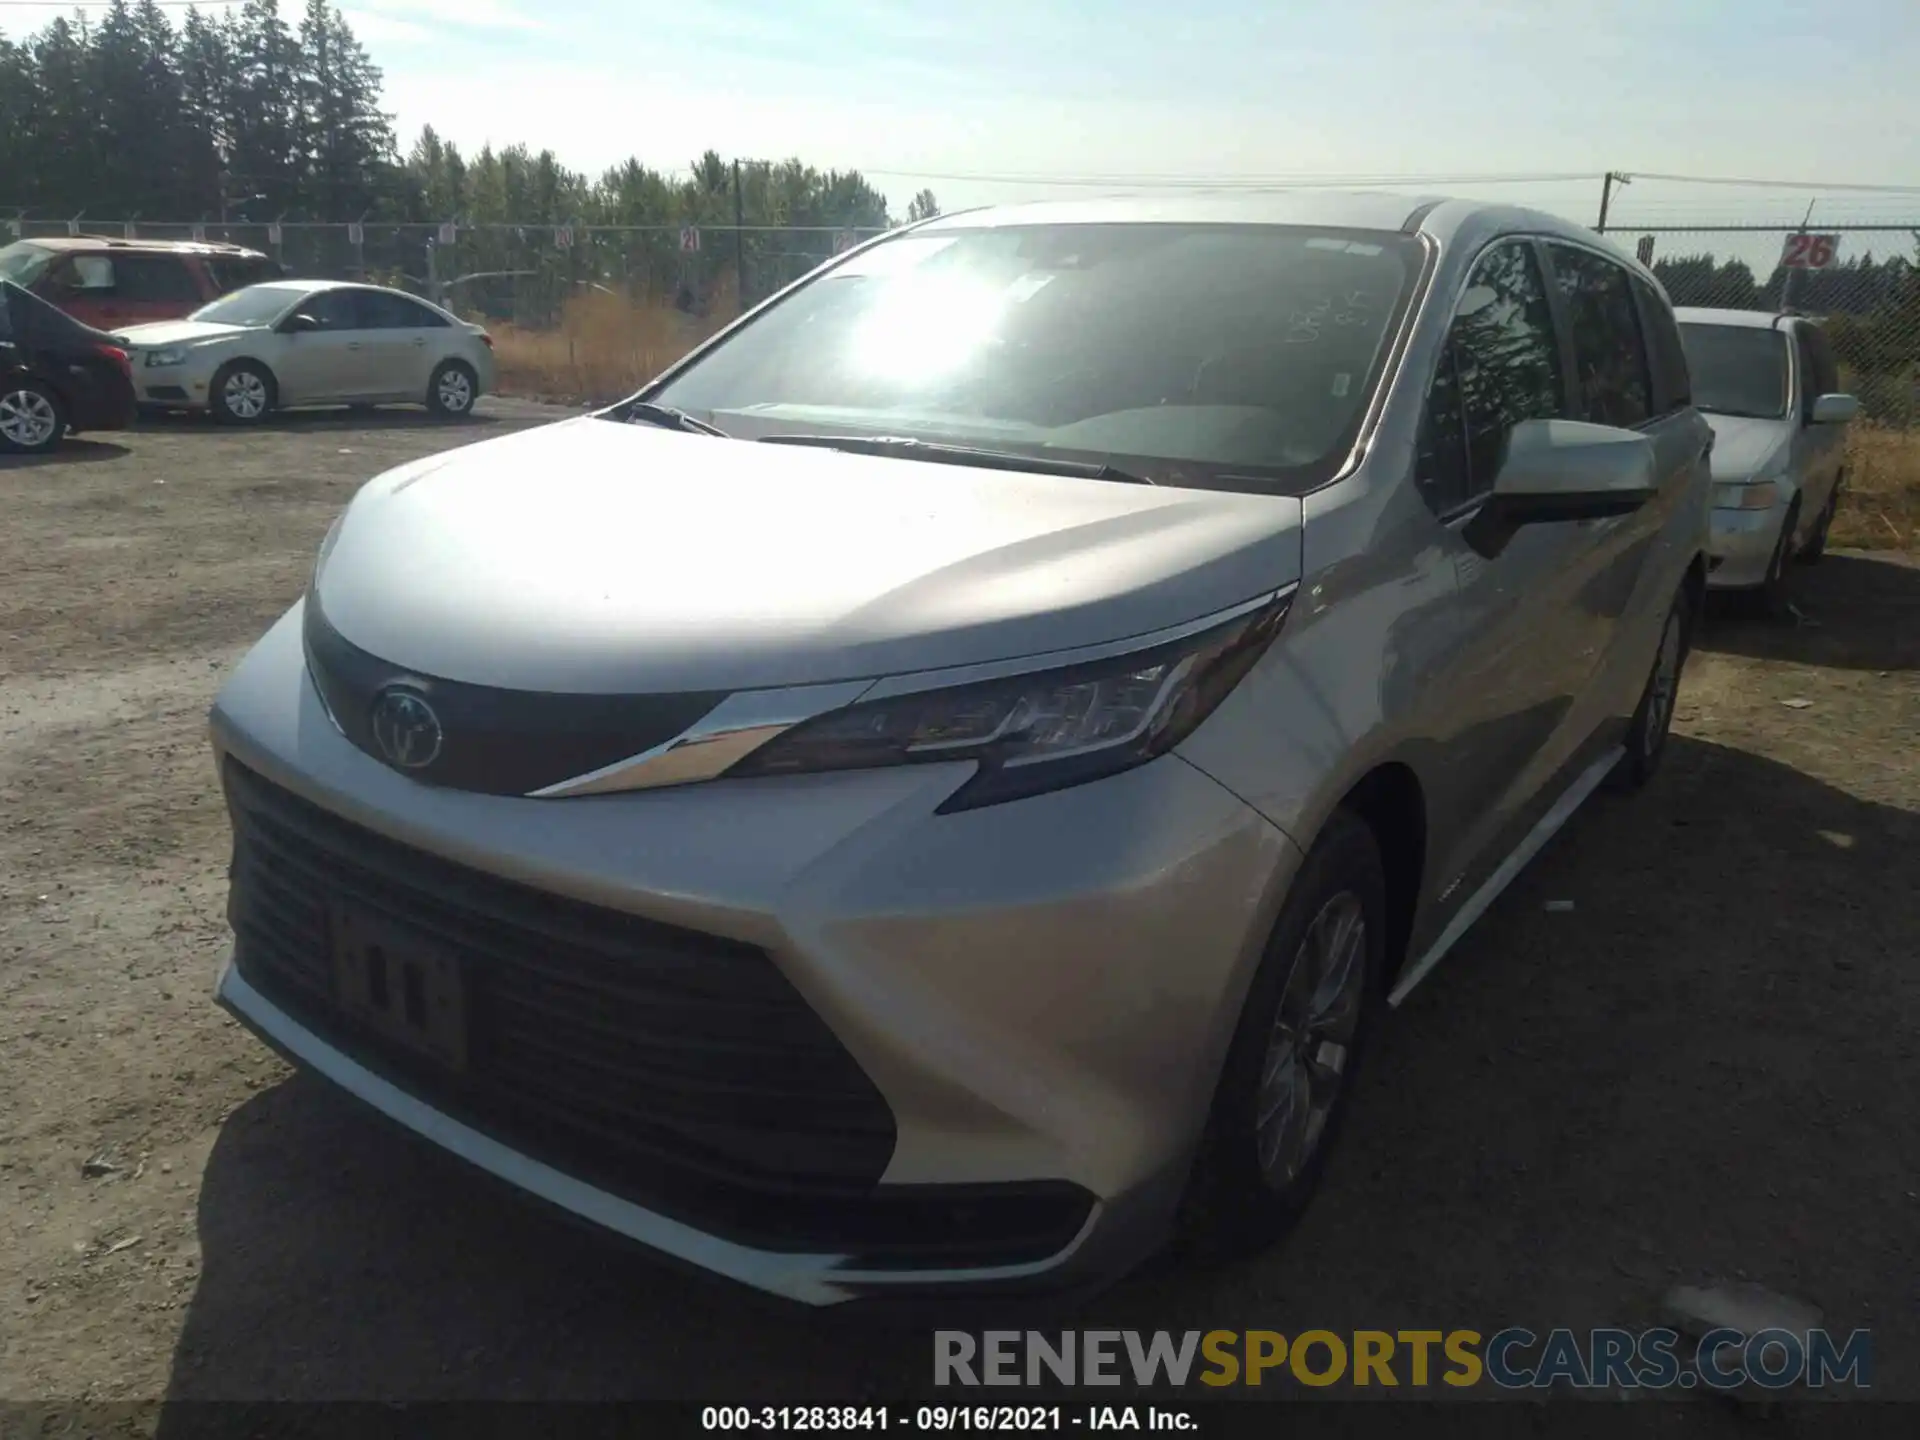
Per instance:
{"type": "Point", "coordinates": [1613, 178]}
{"type": "Point", "coordinates": [739, 241]}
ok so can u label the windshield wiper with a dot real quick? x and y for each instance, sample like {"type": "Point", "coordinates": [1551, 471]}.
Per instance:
{"type": "Point", "coordinates": [645, 412]}
{"type": "Point", "coordinates": [905, 447]}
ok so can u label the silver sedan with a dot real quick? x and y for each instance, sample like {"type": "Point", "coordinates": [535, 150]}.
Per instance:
{"type": "Point", "coordinates": [295, 343]}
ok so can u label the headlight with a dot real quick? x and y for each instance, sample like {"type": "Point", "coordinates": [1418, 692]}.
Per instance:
{"type": "Point", "coordinates": [1041, 731]}
{"type": "Point", "coordinates": [172, 355]}
{"type": "Point", "coordinates": [1748, 495]}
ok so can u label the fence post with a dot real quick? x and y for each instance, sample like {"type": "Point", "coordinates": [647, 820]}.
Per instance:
{"type": "Point", "coordinates": [739, 242]}
{"type": "Point", "coordinates": [1607, 182]}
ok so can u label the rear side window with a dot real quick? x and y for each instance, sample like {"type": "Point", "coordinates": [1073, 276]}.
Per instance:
{"type": "Point", "coordinates": [1611, 379]}
{"type": "Point", "coordinates": [163, 279]}
{"type": "Point", "coordinates": [229, 273]}
{"type": "Point", "coordinates": [1666, 356]}
{"type": "Point", "coordinates": [1500, 365]}
{"type": "Point", "coordinates": [92, 273]}
{"type": "Point", "coordinates": [1817, 365]}
{"type": "Point", "coordinates": [335, 310]}
{"type": "Point", "coordinates": [380, 310]}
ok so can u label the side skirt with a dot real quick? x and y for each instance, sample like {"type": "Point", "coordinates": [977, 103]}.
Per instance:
{"type": "Point", "coordinates": [1535, 840]}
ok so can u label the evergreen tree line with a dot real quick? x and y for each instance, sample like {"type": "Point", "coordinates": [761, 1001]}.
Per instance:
{"type": "Point", "coordinates": [247, 118]}
{"type": "Point", "coordinates": [1871, 308]}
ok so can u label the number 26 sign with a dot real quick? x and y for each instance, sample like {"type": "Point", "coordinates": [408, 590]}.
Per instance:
{"type": "Point", "coordinates": [1809, 252]}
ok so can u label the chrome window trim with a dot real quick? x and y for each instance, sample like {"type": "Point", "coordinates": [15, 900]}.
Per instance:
{"type": "Point", "coordinates": [727, 734]}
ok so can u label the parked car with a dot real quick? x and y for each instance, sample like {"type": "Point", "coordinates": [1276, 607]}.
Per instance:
{"type": "Point", "coordinates": [1770, 387]}
{"type": "Point", "coordinates": [936, 789]}
{"type": "Point", "coordinates": [108, 283]}
{"type": "Point", "coordinates": [296, 343]}
{"type": "Point", "coordinates": [57, 376]}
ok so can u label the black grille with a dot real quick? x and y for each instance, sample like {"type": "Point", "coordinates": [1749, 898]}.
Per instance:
{"type": "Point", "coordinates": [499, 742]}
{"type": "Point", "coordinates": [680, 1070]}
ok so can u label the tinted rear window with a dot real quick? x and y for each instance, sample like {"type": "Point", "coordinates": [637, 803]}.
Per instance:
{"type": "Point", "coordinates": [1737, 369]}
{"type": "Point", "coordinates": [1672, 381]}
{"type": "Point", "coordinates": [156, 279]}
{"type": "Point", "coordinates": [228, 273]}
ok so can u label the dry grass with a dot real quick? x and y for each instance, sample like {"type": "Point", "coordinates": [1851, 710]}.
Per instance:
{"type": "Point", "coordinates": [1881, 510]}
{"type": "Point", "coordinates": [606, 347]}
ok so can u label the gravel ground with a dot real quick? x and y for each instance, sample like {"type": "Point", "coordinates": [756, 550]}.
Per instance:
{"type": "Point", "coordinates": [1696, 1071]}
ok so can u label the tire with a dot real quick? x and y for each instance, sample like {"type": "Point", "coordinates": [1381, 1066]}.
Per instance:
{"type": "Point", "coordinates": [243, 393]}
{"type": "Point", "coordinates": [1251, 1181]}
{"type": "Point", "coordinates": [33, 418]}
{"type": "Point", "coordinates": [1769, 598]}
{"type": "Point", "coordinates": [1652, 722]}
{"type": "Point", "coordinates": [452, 391]}
{"type": "Point", "coordinates": [1817, 542]}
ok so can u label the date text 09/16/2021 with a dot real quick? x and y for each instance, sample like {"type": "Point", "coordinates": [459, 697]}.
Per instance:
{"type": "Point", "coordinates": [941, 1419]}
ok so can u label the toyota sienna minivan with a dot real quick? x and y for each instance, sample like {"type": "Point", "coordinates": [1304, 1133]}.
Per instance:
{"type": "Point", "coordinates": [936, 790]}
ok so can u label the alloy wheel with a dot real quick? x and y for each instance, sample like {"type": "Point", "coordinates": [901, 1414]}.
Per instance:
{"type": "Point", "coordinates": [27, 418]}
{"type": "Point", "coordinates": [1312, 1039]}
{"type": "Point", "coordinates": [1664, 686]}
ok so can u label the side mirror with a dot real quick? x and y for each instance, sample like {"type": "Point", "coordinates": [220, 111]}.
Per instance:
{"type": "Point", "coordinates": [298, 324]}
{"type": "Point", "coordinates": [1561, 470]}
{"type": "Point", "coordinates": [1833, 410]}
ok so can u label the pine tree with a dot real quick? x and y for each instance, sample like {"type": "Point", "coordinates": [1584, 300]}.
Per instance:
{"type": "Point", "coordinates": [264, 171]}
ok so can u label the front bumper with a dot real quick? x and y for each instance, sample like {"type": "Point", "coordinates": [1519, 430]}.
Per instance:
{"type": "Point", "coordinates": [1741, 543]}
{"type": "Point", "coordinates": [170, 387]}
{"type": "Point", "coordinates": [1040, 993]}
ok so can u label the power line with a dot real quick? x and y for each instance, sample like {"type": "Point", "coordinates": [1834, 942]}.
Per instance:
{"type": "Point", "coordinates": [1801, 185]}
{"type": "Point", "coordinates": [1285, 181]}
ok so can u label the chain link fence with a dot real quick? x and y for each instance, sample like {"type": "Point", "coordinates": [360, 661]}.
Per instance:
{"type": "Point", "coordinates": [518, 274]}
{"type": "Point", "coordinates": [1861, 281]}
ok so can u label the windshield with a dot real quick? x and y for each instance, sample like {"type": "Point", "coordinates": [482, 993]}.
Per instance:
{"type": "Point", "coordinates": [1236, 357]}
{"type": "Point", "coordinates": [256, 305]}
{"type": "Point", "coordinates": [22, 263]}
{"type": "Point", "coordinates": [1737, 369]}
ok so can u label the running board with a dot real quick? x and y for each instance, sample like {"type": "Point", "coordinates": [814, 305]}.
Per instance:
{"type": "Point", "coordinates": [1531, 846]}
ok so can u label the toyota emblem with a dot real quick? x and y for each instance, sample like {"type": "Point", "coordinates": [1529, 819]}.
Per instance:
{"type": "Point", "coordinates": [405, 728]}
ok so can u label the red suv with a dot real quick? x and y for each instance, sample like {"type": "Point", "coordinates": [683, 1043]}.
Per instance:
{"type": "Point", "coordinates": [111, 283]}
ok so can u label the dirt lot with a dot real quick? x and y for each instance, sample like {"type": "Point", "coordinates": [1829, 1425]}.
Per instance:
{"type": "Point", "coordinates": [1698, 1070]}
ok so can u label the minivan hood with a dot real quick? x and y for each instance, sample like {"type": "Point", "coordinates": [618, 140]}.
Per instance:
{"type": "Point", "coordinates": [1743, 447]}
{"type": "Point", "coordinates": [604, 558]}
{"type": "Point", "coordinates": [177, 332]}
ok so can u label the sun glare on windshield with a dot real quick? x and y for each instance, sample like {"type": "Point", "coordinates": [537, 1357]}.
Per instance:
{"type": "Point", "coordinates": [924, 327]}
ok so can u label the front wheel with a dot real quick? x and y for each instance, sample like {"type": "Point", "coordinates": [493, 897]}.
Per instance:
{"type": "Point", "coordinates": [452, 391]}
{"type": "Point", "coordinates": [1653, 720]}
{"type": "Point", "coordinates": [1290, 1068]}
{"type": "Point", "coordinates": [32, 419]}
{"type": "Point", "coordinates": [1817, 542]}
{"type": "Point", "coordinates": [242, 393]}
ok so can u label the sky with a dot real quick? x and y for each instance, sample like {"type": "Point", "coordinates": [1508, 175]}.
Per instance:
{"type": "Point", "coordinates": [974, 98]}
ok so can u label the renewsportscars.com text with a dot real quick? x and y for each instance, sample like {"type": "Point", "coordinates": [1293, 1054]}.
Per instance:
{"type": "Point", "coordinates": [1510, 1359]}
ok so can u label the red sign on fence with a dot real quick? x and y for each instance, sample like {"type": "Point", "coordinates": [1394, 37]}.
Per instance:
{"type": "Point", "coordinates": [563, 236]}
{"type": "Point", "coordinates": [690, 240]}
{"type": "Point", "coordinates": [1809, 252]}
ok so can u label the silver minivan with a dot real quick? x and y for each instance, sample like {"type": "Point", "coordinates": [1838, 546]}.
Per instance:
{"type": "Point", "coordinates": [1770, 388]}
{"type": "Point", "coordinates": [935, 790]}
